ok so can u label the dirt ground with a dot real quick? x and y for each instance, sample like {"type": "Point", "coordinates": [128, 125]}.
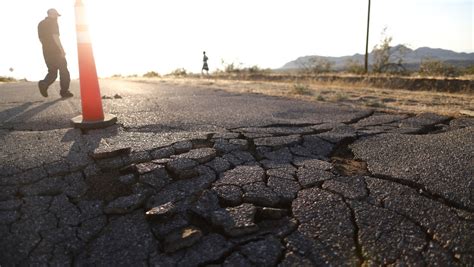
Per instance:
{"type": "Point", "coordinates": [389, 100]}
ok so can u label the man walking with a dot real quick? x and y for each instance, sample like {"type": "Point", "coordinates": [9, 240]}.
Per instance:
{"type": "Point", "coordinates": [54, 55]}
{"type": "Point", "coordinates": [205, 67]}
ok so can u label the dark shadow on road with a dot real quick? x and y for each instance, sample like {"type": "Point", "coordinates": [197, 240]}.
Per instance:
{"type": "Point", "coordinates": [13, 112]}
{"type": "Point", "coordinates": [84, 144]}
{"type": "Point", "coordinates": [22, 113]}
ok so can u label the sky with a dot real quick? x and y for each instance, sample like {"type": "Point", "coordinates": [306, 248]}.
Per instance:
{"type": "Point", "coordinates": [137, 36]}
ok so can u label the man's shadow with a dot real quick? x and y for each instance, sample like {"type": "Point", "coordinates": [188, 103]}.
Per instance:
{"type": "Point", "coordinates": [7, 114]}
{"type": "Point", "coordinates": [22, 113]}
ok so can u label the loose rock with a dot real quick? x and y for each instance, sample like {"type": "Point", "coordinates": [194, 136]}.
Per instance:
{"type": "Point", "coordinates": [183, 168]}
{"type": "Point", "coordinates": [236, 221]}
{"type": "Point", "coordinates": [161, 212]}
{"type": "Point", "coordinates": [201, 155]}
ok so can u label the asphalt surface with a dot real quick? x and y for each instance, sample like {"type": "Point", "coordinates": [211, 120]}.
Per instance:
{"type": "Point", "coordinates": [196, 177]}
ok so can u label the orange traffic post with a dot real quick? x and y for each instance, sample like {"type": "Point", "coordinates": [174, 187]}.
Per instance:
{"type": "Point", "coordinates": [93, 116]}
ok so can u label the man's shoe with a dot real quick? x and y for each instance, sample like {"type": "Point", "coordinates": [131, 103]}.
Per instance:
{"type": "Point", "coordinates": [66, 94]}
{"type": "Point", "coordinates": [43, 89]}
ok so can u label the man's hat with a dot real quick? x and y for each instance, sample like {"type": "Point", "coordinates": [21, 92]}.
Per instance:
{"type": "Point", "coordinates": [53, 12]}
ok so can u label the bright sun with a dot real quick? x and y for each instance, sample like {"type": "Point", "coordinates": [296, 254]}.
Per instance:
{"type": "Point", "coordinates": [129, 36]}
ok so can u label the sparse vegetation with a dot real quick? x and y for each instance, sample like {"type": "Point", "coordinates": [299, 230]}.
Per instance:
{"type": "Point", "coordinates": [353, 66]}
{"type": "Point", "coordinates": [341, 96]}
{"type": "Point", "coordinates": [300, 89]}
{"type": "Point", "coordinates": [469, 70]}
{"type": "Point", "coordinates": [319, 97]}
{"type": "Point", "coordinates": [179, 72]}
{"type": "Point", "coordinates": [388, 59]}
{"type": "Point", "coordinates": [433, 67]}
{"type": "Point", "coordinates": [231, 67]}
{"type": "Point", "coordinates": [381, 93]}
{"type": "Point", "coordinates": [375, 103]}
{"type": "Point", "coordinates": [256, 70]}
{"type": "Point", "coordinates": [234, 68]}
{"type": "Point", "coordinates": [7, 79]}
{"type": "Point", "coordinates": [316, 66]}
{"type": "Point", "coordinates": [151, 74]}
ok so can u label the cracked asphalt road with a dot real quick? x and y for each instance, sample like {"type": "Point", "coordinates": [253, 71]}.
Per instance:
{"type": "Point", "coordinates": [197, 177]}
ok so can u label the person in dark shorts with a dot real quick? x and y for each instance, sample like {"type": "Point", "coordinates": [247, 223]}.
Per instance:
{"type": "Point", "coordinates": [205, 67]}
{"type": "Point", "coordinates": [54, 56]}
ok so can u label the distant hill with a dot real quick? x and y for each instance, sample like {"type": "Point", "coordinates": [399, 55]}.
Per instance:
{"type": "Point", "coordinates": [411, 59]}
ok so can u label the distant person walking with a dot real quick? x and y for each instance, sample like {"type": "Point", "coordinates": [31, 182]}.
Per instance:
{"type": "Point", "coordinates": [205, 67]}
{"type": "Point", "coordinates": [54, 55]}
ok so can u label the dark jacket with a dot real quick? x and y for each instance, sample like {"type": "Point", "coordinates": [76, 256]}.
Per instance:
{"type": "Point", "coordinates": [46, 29]}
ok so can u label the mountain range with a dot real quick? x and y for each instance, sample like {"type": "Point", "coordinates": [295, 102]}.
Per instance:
{"type": "Point", "coordinates": [411, 58]}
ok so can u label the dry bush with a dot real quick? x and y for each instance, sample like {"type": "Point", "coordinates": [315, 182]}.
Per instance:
{"type": "Point", "coordinates": [179, 72]}
{"type": "Point", "coordinates": [433, 67]}
{"type": "Point", "coordinates": [300, 89]}
{"type": "Point", "coordinates": [7, 79]}
{"type": "Point", "coordinates": [151, 74]}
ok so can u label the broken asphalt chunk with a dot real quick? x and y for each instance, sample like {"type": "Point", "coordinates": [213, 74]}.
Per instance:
{"type": "Point", "coordinates": [161, 212]}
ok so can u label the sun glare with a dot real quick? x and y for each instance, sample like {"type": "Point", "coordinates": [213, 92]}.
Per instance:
{"type": "Point", "coordinates": [111, 33]}
{"type": "Point", "coordinates": [139, 38]}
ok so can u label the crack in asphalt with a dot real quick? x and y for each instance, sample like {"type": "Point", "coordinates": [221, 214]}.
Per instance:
{"type": "Point", "coordinates": [35, 246]}
{"type": "Point", "coordinates": [341, 157]}
{"type": "Point", "coordinates": [91, 240]}
{"type": "Point", "coordinates": [432, 129]}
{"type": "Point", "coordinates": [423, 191]}
{"type": "Point", "coordinates": [389, 122]}
{"type": "Point", "coordinates": [355, 120]}
{"type": "Point", "coordinates": [429, 237]}
{"type": "Point", "coordinates": [344, 160]}
{"type": "Point", "coordinates": [357, 242]}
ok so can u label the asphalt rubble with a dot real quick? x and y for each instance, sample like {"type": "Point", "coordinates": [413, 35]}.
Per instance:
{"type": "Point", "coordinates": [330, 194]}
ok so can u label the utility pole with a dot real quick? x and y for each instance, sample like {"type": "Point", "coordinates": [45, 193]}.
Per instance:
{"type": "Point", "coordinates": [367, 42]}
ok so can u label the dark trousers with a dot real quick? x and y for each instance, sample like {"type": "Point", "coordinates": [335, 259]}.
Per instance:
{"type": "Point", "coordinates": [56, 63]}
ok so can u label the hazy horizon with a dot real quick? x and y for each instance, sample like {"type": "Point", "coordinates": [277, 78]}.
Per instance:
{"type": "Point", "coordinates": [134, 37]}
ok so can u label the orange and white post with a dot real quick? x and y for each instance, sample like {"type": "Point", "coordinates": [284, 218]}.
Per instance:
{"type": "Point", "coordinates": [92, 112]}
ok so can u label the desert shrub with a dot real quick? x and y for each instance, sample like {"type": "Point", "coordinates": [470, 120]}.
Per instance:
{"type": "Point", "coordinates": [316, 65]}
{"type": "Point", "coordinates": [237, 68]}
{"type": "Point", "coordinates": [353, 66]}
{"type": "Point", "coordinates": [179, 72]}
{"type": "Point", "coordinates": [231, 68]}
{"type": "Point", "coordinates": [7, 79]}
{"type": "Point", "coordinates": [388, 59]}
{"type": "Point", "coordinates": [117, 76]}
{"type": "Point", "coordinates": [433, 67]}
{"type": "Point", "coordinates": [151, 74]}
{"type": "Point", "coordinates": [319, 97]}
{"type": "Point", "coordinates": [255, 69]}
{"type": "Point", "coordinates": [300, 89]}
{"type": "Point", "coordinates": [374, 104]}
{"type": "Point", "coordinates": [469, 70]}
{"type": "Point", "coordinates": [341, 97]}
